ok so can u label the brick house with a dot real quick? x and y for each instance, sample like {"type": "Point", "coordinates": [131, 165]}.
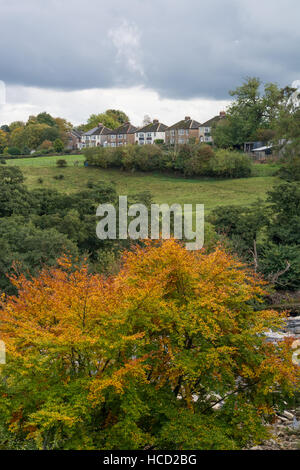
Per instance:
{"type": "Point", "coordinates": [74, 139]}
{"type": "Point", "coordinates": [123, 135]}
{"type": "Point", "coordinates": [183, 131]}
{"type": "Point", "coordinates": [206, 127]}
{"type": "Point", "coordinates": [150, 133]}
{"type": "Point", "coordinates": [95, 137]}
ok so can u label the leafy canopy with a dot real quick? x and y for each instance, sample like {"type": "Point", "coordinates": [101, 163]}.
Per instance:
{"type": "Point", "coordinates": [142, 358]}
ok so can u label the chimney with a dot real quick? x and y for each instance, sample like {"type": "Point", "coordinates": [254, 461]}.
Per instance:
{"type": "Point", "coordinates": [100, 124]}
{"type": "Point", "coordinates": [155, 121]}
{"type": "Point", "coordinates": [187, 118]}
{"type": "Point", "coordinates": [222, 114]}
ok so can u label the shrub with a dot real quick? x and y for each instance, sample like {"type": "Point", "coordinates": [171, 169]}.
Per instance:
{"type": "Point", "coordinates": [26, 151]}
{"type": "Point", "coordinates": [290, 170]}
{"type": "Point", "coordinates": [101, 157]}
{"type": "Point", "coordinates": [147, 157]}
{"type": "Point", "coordinates": [228, 164]}
{"type": "Point", "coordinates": [13, 151]}
{"type": "Point", "coordinates": [128, 157]}
{"type": "Point", "coordinates": [181, 158]}
{"type": "Point", "coordinates": [11, 175]}
{"type": "Point", "coordinates": [199, 162]}
{"type": "Point", "coordinates": [61, 163]}
{"type": "Point", "coordinates": [46, 145]}
{"type": "Point", "coordinates": [2, 161]}
{"type": "Point", "coordinates": [59, 177]}
{"type": "Point", "coordinates": [58, 145]}
{"type": "Point", "coordinates": [274, 260]}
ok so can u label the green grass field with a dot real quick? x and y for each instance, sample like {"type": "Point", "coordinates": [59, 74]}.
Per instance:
{"type": "Point", "coordinates": [164, 188]}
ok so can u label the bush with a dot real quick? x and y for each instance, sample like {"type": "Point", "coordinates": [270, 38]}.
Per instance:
{"type": "Point", "coordinates": [198, 160]}
{"type": "Point", "coordinates": [26, 151]}
{"type": "Point", "coordinates": [274, 259]}
{"type": "Point", "coordinates": [11, 175]}
{"type": "Point", "coordinates": [2, 161]}
{"type": "Point", "coordinates": [227, 164]}
{"type": "Point", "coordinates": [58, 145]}
{"type": "Point", "coordinates": [59, 177]}
{"type": "Point", "coordinates": [46, 145]}
{"type": "Point", "coordinates": [13, 151]}
{"type": "Point", "coordinates": [147, 157]}
{"type": "Point", "coordinates": [290, 170]}
{"type": "Point", "coordinates": [61, 163]}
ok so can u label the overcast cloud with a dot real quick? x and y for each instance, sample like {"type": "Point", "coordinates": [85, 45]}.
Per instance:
{"type": "Point", "coordinates": [193, 50]}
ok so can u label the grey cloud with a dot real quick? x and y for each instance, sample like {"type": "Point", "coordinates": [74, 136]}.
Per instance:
{"type": "Point", "coordinates": [180, 49]}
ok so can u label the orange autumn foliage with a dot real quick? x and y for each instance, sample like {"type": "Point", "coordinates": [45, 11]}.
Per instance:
{"type": "Point", "coordinates": [172, 325]}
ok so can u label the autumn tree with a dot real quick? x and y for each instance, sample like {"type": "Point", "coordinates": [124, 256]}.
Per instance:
{"type": "Point", "coordinates": [3, 140]}
{"type": "Point", "coordinates": [170, 353]}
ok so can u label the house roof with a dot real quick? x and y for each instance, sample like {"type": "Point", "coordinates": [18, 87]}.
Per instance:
{"type": "Point", "coordinates": [261, 149]}
{"type": "Point", "coordinates": [211, 121]}
{"type": "Point", "coordinates": [186, 124]}
{"type": "Point", "coordinates": [76, 132]}
{"type": "Point", "coordinates": [99, 130]}
{"type": "Point", "coordinates": [126, 128]}
{"type": "Point", "coordinates": [153, 127]}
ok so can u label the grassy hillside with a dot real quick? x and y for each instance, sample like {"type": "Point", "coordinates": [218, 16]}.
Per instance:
{"type": "Point", "coordinates": [164, 188]}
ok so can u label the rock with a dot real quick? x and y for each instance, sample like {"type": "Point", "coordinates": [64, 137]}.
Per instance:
{"type": "Point", "coordinates": [288, 415]}
{"type": "Point", "coordinates": [282, 419]}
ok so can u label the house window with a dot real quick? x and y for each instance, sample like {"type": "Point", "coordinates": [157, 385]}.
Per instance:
{"type": "Point", "coordinates": [173, 132]}
{"type": "Point", "coordinates": [181, 131]}
{"type": "Point", "coordinates": [113, 144]}
{"type": "Point", "coordinates": [181, 141]}
{"type": "Point", "coordinates": [113, 137]}
{"type": "Point", "coordinates": [120, 136]}
{"type": "Point", "coordinates": [207, 129]}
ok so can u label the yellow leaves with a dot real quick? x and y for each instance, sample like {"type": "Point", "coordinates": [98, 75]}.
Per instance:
{"type": "Point", "coordinates": [133, 369]}
{"type": "Point", "coordinates": [171, 318]}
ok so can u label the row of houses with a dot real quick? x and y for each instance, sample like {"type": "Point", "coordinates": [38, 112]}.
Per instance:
{"type": "Point", "coordinates": [182, 132]}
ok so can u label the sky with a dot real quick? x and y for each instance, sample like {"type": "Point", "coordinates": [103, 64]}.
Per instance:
{"type": "Point", "coordinates": [164, 58]}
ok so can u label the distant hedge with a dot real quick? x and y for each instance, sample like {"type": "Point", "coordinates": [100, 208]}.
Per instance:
{"type": "Point", "coordinates": [189, 160]}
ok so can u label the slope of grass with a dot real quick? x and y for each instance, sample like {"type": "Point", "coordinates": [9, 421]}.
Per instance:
{"type": "Point", "coordinates": [164, 188]}
{"type": "Point", "coordinates": [45, 161]}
